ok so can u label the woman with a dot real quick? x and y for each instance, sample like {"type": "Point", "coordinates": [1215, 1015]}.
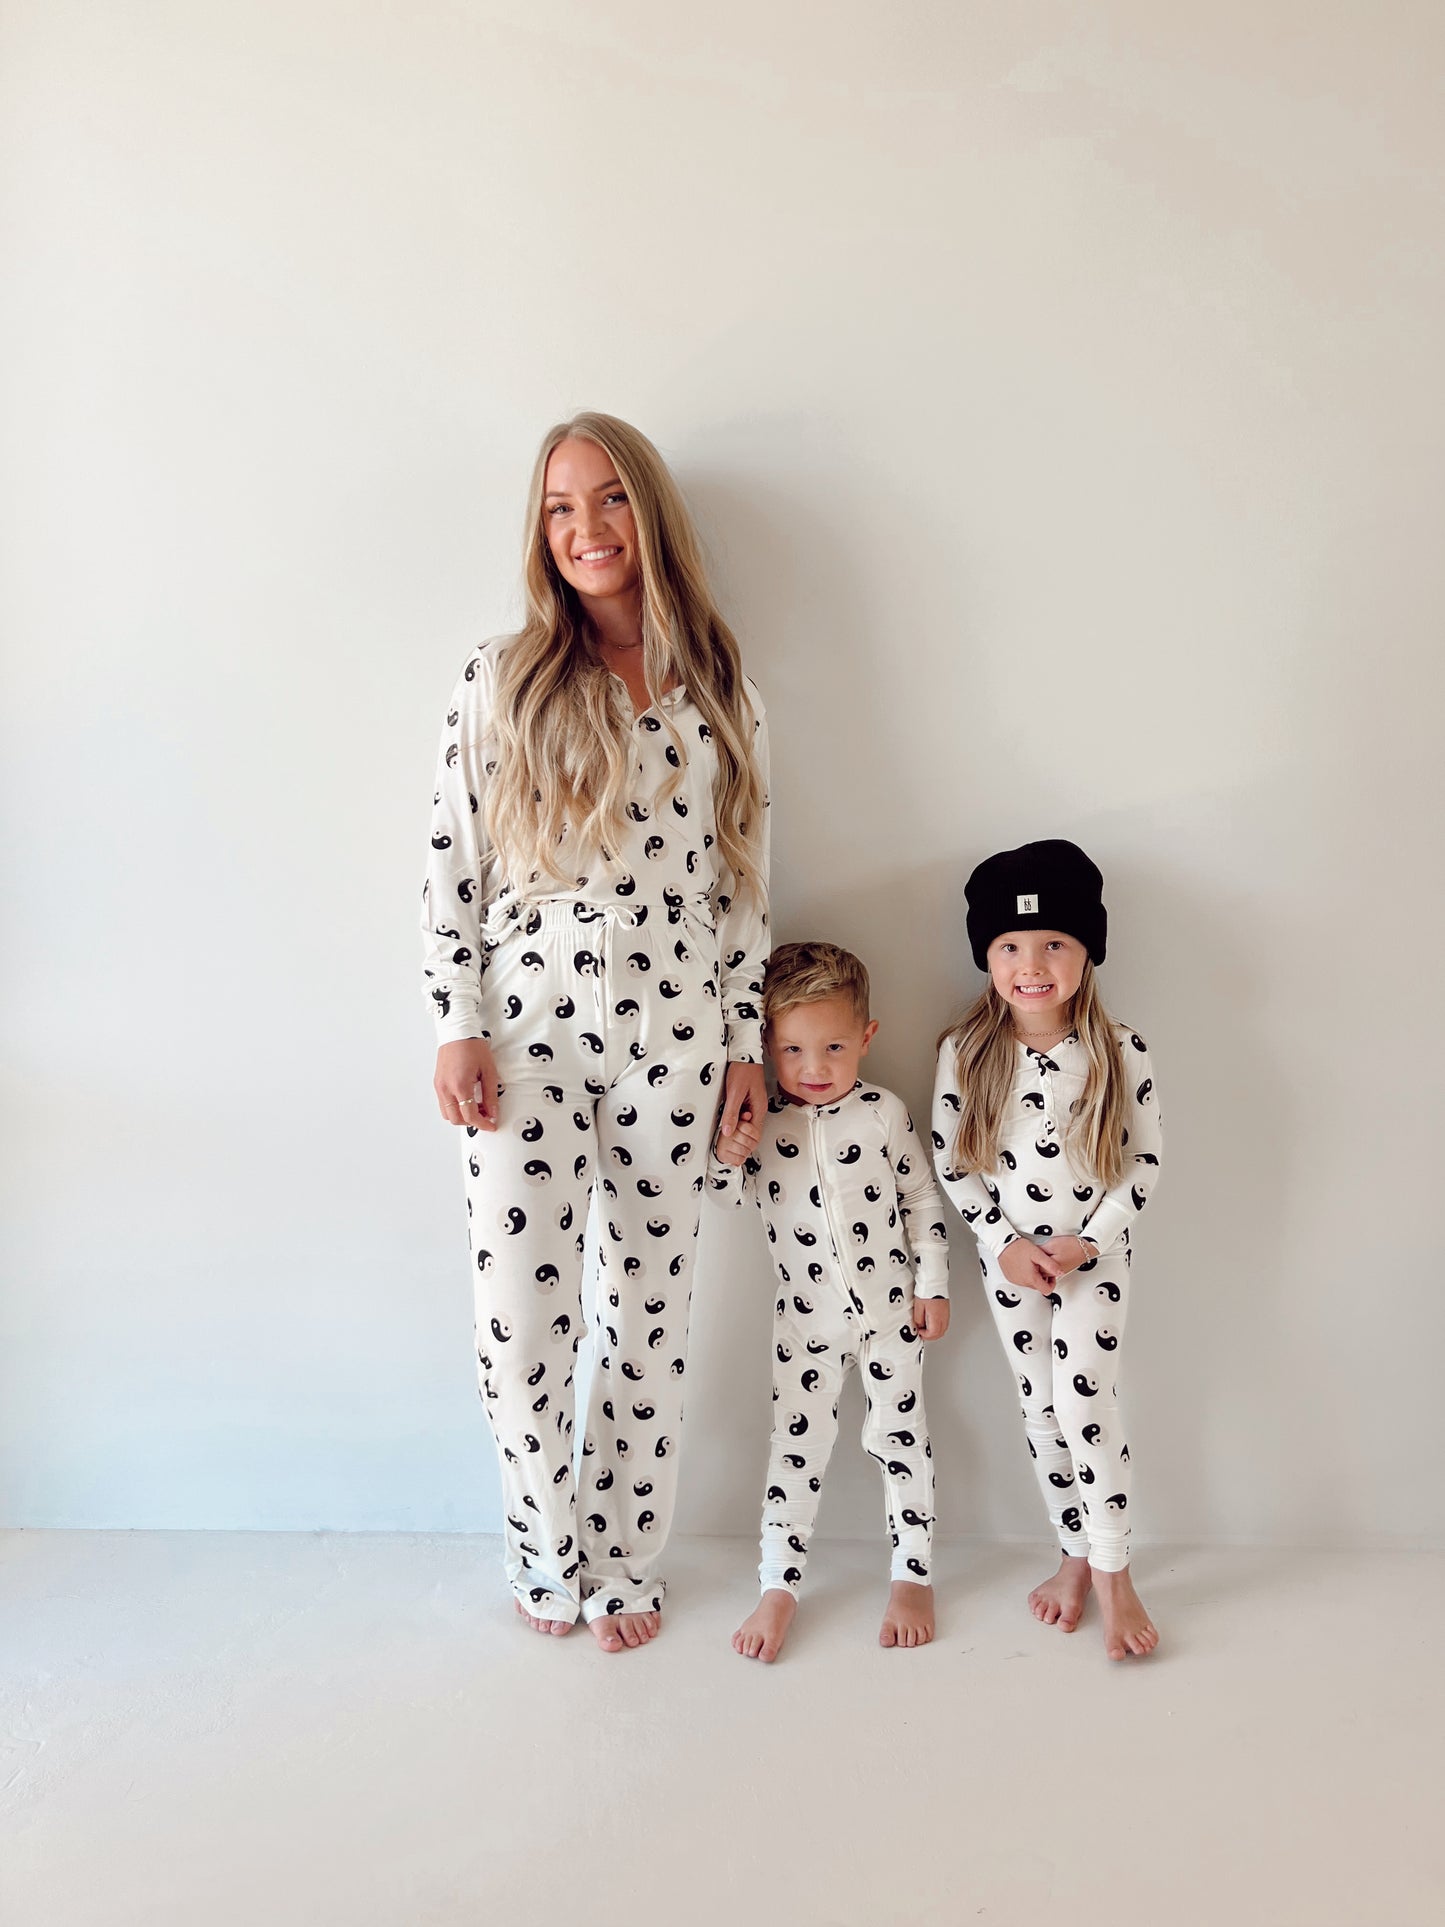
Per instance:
{"type": "Point", "coordinates": [596, 926]}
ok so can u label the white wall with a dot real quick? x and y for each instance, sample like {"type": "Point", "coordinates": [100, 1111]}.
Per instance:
{"type": "Point", "coordinates": [1059, 391]}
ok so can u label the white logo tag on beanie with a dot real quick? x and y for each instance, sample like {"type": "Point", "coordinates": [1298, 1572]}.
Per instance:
{"type": "Point", "coordinates": [1028, 907]}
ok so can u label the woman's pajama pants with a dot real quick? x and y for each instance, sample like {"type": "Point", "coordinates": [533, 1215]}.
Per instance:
{"type": "Point", "coordinates": [817, 1340]}
{"type": "Point", "coordinates": [1065, 1352]}
{"type": "Point", "coordinates": [607, 1033]}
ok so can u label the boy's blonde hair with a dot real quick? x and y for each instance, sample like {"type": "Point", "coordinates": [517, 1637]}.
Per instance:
{"type": "Point", "coordinates": [806, 973]}
{"type": "Point", "coordinates": [983, 1042]}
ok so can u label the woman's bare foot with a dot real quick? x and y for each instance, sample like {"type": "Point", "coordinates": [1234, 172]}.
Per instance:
{"type": "Point", "coordinates": [1059, 1601]}
{"type": "Point", "coordinates": [557, 1627]}
{"type": "Point", "coordinates": [1127, 1627]}
{"type": "Point", "coordinates": [909, 1618]}
{"type": "Point", "coordinates": [762, 1633]}
{"type": "Point", "coordinates": [613, 1631]}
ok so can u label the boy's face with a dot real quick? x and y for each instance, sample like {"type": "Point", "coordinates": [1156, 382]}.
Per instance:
{"type": "Point", "coordinates": [815, 1049]}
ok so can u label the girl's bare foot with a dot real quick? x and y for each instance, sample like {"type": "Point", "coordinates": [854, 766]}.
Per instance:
{"type": "Point", "coordinates": [613, 1631]}
{"type": "Point", "coordinates": [909, 1618]}
{"type": "Point", "coordinates": [557, 1627]}
{"type": "Point", "coordinates": [1127, 1627]}
{"type": "Point", "coordinates": [762, 1633]}
{"type": "Point", "coordinates": [1059, 1601]}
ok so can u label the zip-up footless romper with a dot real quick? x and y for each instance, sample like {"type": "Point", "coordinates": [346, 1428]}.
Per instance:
{"type": "Point", "coordinates": [855, 1223]}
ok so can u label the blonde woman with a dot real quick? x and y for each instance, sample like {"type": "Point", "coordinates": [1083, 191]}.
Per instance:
{"type": "Point", "coordinates": [595, 919]}
{"type": "Point", "coordinates": [1046, 1135]}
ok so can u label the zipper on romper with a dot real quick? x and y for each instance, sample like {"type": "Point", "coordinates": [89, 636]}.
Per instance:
{"type": "Point", "coordinates": [823, 1191]}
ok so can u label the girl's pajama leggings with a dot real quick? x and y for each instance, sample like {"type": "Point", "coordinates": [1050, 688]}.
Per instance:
{"type": "Point", "coordinates": [608, 1037]}
{"type": "Point", "coordinates": [1065, 1350]}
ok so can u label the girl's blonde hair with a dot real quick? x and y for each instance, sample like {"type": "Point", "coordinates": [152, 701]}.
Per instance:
{"type": "Point", "coordinates": [983, 1041]}
{"type": "Point", "coordinates": [563, 748]}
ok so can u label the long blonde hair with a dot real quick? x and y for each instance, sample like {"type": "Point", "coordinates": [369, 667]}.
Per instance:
{"type": "Point", "coordinates": [563, 749]}
{"type": "Point", "coordinates": [983, 1041]}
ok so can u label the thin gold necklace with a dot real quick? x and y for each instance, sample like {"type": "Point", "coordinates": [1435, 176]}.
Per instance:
{"type": "Point", "coordinates": [1032, 1038]}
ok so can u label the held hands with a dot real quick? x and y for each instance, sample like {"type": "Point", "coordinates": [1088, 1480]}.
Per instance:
{"type": "Point", "coordinates": [745, 1099]}
{"type": "Point", "coordinates": [929, 1317]}
{"type": "Point", "coordinates": [731, 1150]}
{"type": "Point", "coordinates": [466, 1084]}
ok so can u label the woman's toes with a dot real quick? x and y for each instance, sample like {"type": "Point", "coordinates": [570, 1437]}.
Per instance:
{"type": "Point", "coordinates": [605, 1632]}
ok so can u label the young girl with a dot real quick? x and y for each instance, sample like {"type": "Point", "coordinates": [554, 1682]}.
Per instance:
{"type": "Point", "coordinates": [1046, 1134]}
{"type": "Point", "coordinates": [595, 922]}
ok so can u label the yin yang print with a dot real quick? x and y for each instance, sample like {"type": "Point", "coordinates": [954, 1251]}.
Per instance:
{"type": "Point", "coordinates": [611, 1007]}
{"type": "Point", "coordinates": [1065, 1349]}
{"type": "Point", "coordinates": [667, 863]}
{"type": "Point", "coordinates": [855, 1225]}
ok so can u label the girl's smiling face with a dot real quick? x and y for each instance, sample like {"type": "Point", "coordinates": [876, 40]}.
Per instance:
{"type": "Point", "coordinates": [1037, 971]}
{"type": "Point", "coordinates": [816, 1047]}
{"type": "Point", "coordinates": [588, 521]}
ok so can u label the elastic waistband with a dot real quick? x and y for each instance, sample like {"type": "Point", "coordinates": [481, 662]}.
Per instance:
{"type": "Point", "coordinates": [573, 913]}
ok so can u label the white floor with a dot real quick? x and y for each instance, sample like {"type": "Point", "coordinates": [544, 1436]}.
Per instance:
{"type": "Point", "coordinates": [230, 1728]}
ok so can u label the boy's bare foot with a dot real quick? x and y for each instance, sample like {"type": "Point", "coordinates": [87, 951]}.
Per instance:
{"type": "Point", "coordinates": [557, 1627]}
{"type": "Point", "coordinates": [613, 1631]}
{"type": "Point", "coordinates": [1127, 1627]}
{"type": "Point", "coordinates": [1059, 1601]}
{"type": "Point", "coordinates": [762, 1633]}
{"type": "Point", "coordinates": [909, 1618]}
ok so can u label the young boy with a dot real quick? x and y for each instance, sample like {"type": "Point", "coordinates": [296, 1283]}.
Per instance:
{"type": "Point", "coordinates": [856, 1227]}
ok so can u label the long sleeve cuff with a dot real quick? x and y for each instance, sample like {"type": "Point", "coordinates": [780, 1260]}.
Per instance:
{"type": "Point", "coordinates": [930, 1277]}
{"type": "Point", "coordinates": [726, 1183]}
{"type": "Point", "coordinates": [459, 1018]}
{"type": "Point", "coordinates": [993, 1230]}
{"type": "Point", "coordinates": [744, 1040]}
{"type": "Point", "coordinates": [1108, 1222]}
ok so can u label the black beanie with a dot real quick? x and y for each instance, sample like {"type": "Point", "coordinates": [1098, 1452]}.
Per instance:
{"type": "Point", "coordinates": [1039, 886]}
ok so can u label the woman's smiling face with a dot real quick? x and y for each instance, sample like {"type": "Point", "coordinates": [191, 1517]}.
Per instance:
{"type": "Point", "coordinates": [588, 521]}
{"type": "Point", "coordinates": [1036, 970]}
